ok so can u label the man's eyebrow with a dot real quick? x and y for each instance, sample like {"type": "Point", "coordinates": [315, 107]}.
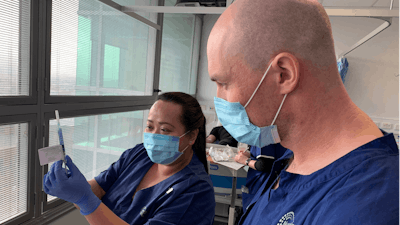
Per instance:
{"type": "Point", "coordinates": [151, 121]}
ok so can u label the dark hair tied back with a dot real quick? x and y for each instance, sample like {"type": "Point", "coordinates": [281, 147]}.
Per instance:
{"type": "Point", "coordinates": [192, 118]}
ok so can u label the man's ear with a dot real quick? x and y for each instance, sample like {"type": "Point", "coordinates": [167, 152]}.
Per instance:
{"type": "Point", "coordinates": [289, 68]}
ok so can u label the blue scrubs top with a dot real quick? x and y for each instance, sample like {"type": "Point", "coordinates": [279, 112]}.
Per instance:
{"type": "Point", "coordinates": [190, 201]}
{"type": "Point", "coordinates": [361, 187]}
{"type": "Point", "coordinates": [256, 178]}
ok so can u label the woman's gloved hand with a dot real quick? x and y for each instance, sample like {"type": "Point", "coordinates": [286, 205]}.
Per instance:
{"type": "Point", "coordinates": [72, 187]}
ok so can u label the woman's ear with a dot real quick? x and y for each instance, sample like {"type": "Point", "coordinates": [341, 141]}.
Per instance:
{"type": "Point", "coordinates": [193, 136]}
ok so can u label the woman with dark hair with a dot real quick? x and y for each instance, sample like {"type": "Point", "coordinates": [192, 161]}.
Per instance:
{"type": "Point", "coordinates": [162, 181]}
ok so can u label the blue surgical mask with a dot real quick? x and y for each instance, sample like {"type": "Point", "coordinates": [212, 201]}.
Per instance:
{"type": "Point", "coordinates": [162, 149]}
{"type": "Point", "coordinates": [234, 118]}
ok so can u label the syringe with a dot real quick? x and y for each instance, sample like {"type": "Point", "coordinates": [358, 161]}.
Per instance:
{"type": "Point", "coordinates": [60, 137]}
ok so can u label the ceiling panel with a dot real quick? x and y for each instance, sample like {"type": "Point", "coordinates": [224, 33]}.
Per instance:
{"type": "Point", "coordinates": [349, 30]}
{"type": "Point", "coordinates": [348, 3]}
{"type": "Point", "coordinates": [386, 3]}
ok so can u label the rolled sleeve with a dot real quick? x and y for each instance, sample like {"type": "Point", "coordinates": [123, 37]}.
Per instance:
{"type": "Point", "coordinates": [215, 132]}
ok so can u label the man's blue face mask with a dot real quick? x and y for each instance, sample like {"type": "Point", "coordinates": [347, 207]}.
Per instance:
{"type": "Point", "coordinates": [162, 149]}
{"type": "Point", "coordinates": [233, 117]}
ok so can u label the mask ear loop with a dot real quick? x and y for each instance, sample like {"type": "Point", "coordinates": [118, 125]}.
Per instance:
{"type": "Point", "coordinates": [184, 134]}
{"type": "Point", "coordinates": [280, 107]}
{"type": "Point", "coordinates": [185, 149]}
{"type": "Point", "coordinates": [186, 146]}
{"type": "Point", "coordinates": [259, 84]}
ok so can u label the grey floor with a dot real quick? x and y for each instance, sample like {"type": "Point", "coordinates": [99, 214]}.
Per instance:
{"type": "Point", "coordinates": [219, 223]}
{"type": "Point", "coordinates": [74, 217]}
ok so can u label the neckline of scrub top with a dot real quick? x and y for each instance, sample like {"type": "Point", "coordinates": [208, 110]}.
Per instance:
{"type": "Point", "coordinates": [183, 171]}
{"type": "Point", "coordinates": [342, 165]}
{"type": "Point", "coordinates": [275, 150]}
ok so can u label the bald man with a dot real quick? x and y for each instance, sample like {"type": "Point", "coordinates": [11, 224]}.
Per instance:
{"type": "Point", "coordinates": [277, 80]}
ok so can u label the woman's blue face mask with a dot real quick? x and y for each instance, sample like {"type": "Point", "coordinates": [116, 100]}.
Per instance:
{"type": "Point", "coordinates": [162, 149]}
{"type": "Point", "coordinates": [234, 118]}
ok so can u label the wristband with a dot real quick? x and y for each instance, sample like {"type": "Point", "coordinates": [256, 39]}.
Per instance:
{"type": "Point", "coordinates": [88, 204]}
{"type": "Point", "coordinates": [248, 161]}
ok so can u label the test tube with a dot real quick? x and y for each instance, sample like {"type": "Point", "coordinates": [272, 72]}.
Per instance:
{"type": "Point", "coordinates": [60, 137]}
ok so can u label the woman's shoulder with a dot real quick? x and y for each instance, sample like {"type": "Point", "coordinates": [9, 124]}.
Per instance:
{"type": "Point", "coordinates": [197, 172]}
{"type": "Point", "coordinates": [136, 152]}
{"type": "Point", "coordinates": [137, 149]}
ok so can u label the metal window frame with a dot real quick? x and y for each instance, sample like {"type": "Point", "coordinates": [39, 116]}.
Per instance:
{"type": "Point", "coordinates": [39, 108]}
{"type": "Point", "coordinates": [32, 98]}
{"type": "Point", "coordinates": [191, 64]}
{"type": "Point", "coordinates": [195, 56]}
{"type": "Point", "coordinates": [133, 14]}
{"type": "Point", "coordinates": [75, 106]}
{"type": "Point", "coordinates": [100, 100]}
{"type": "Point", "coordinates": [31, 119]}
{"type": "Point", "coordinates": [331, 11]}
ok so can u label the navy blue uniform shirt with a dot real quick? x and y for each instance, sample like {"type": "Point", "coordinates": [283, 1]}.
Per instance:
{"type": "Point", "coordinates": [186, 197]}
{"type": "Point", "coordinates": [361, 187]}
{"type": "Point", "coordinates": [256, 178]}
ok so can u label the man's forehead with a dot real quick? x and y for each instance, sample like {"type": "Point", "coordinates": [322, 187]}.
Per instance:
{"type": "Point", "coordinates": [217, 66]}
{"type": "Point", "coordinates": [225, 68]}
{"type": "Point", "coordinates": [219, 69]}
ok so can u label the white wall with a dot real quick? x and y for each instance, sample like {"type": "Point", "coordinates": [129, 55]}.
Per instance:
{"type": "Point", "coordinates": [371, 79]}
{"type": "Point", "coordinates": [206, 90]}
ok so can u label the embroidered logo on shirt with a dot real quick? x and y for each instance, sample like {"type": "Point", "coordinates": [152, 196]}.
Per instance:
{"type": "Point", "coordinates": [143, 211]}
{"type": "Point", "coordinates": [287, 219]}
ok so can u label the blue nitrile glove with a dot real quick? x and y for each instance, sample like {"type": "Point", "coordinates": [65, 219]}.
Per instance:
{"type": "Point", "coordinates": [72, 188]}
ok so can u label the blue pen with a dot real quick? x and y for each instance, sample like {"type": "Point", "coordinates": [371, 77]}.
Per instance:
{"type": "Point", "coordinates": [60, 137]}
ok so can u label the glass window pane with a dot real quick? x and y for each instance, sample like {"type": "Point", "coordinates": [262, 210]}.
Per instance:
{"type": "Point", "coordinates": [97, 50]}
{"type": "Point", "coordinates": [176, 53]}
{"type": "Point", "coordinates": [14, 48]}
{"type": "Point", "coordinates": [95, 142]}
{"type": "Point", "coordinates": [13, 170]}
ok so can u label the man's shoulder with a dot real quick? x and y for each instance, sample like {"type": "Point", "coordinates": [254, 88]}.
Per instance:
{"type": "Point", "coordinates": [379, 160]}
{"type": "Point", "coordinates": [370, 194]}
{"type": "Point", "coordinates": [382, 170]}
{"type": "Point", "coordinates": [366, 194]}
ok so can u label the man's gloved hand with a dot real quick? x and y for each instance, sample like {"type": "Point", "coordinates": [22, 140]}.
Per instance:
{"type": "Point", "coordinates": [72, 187]}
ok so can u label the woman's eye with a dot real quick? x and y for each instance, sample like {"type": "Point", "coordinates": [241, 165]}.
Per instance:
{"type": "Point", "coordinates": [149, 127]}
{"type": "Point", "coordinates": [164, 130]}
